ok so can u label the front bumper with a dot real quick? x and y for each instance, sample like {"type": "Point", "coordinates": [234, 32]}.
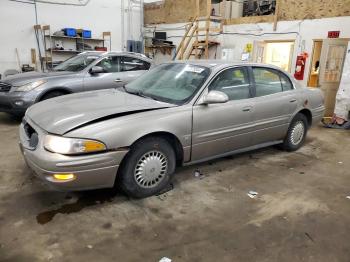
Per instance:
{"type": "Point", "coordinates": [15, 102]}
{"type": "Point", "coordinates": [91, 171]}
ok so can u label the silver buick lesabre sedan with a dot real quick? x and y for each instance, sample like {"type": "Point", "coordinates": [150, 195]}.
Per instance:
{"type": "Point", "coordinates": [178, 113]}
{"type": "Point", "coordinates": [87, 71]}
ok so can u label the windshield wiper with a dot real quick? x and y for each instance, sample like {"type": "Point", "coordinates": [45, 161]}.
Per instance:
{"type": "Point", "coordinates": [137, 93]}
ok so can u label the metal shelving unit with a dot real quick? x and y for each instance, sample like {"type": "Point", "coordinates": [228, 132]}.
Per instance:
{"type": "Point", "coordinates": [50, 50]}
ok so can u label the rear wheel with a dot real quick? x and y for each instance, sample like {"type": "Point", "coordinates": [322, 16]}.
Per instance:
{"type": "Point", "coordinates": [296, 133]}
{"type": "Point", "coordinates": [147, 168]}
{"type": "Point", "coordinates": [52, 94]}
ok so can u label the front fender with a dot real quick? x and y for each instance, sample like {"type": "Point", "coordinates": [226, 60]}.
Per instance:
{"type": "Point", "coordinates": [122, 132]}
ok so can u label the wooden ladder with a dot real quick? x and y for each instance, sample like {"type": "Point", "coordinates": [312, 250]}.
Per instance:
{"type": "Point", "coordinates": [195, 47]}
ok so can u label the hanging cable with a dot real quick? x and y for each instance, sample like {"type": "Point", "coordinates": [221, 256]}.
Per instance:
{"type": "Point", "coordinates": [52, 2]}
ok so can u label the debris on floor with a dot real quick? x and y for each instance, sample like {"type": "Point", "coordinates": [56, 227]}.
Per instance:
{"type": "Point", "coordinates": [309, 237]}
{"type": "Point", "coordinates": [348, 197]}
{"type": "Point", "coordinates": [165, 259]}
{"type": "Point", "coordinates": [335, 122]}
{"type": "Point", "coordinates": [252, 194]}
{"type": "Point", "coordinates": [197, 173]}
{"type": "Point", "coordinates": [168, 188]}
{"type": "Point", "coordinates": [89, 246]}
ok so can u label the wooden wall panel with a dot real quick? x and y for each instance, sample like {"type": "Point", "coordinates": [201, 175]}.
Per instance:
{"type": "Point", "coordinates": [311, 9]}
{"type": "Point", "coordinates": [172, 11]}
{"type": "Point", "coordinates": [176, 11]}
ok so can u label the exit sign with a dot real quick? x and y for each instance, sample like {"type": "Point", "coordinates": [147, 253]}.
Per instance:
{"type": "Point", "coordinates": [333, 34]}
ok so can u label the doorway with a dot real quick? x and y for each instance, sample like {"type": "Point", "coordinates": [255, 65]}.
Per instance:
{"type": "Point", "coordinates": [278, 53]}
{"type": "Point", "coordinates": [331, 68]}
{"type": "Point", "coordinates": [315, 64]}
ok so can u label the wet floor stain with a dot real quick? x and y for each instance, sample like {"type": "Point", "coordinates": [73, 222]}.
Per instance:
{"type": "Point", "coordinates": [85, 199]}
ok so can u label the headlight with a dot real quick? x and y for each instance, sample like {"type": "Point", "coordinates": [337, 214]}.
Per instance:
{"type": "Point", "coordinates": [71, 146]}
{"type": "Point", "coordinates": [30, 86]}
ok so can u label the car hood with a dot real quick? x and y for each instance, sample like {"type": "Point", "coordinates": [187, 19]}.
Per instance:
{"type": "Point", "coordinates": [25, 78]}
{"type": "Point", "coordinates": [63, 114]}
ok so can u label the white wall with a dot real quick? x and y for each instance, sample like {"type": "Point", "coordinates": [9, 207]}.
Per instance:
{"type": "Point", "coordinates": [303, 32]}
{"type": "Point", "coordinates": [17, 20]}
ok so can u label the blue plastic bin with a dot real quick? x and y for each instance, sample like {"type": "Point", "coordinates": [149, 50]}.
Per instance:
{"type": "Point", "coordinates": [70, 32]}
{"type": "Point", "coordinates": [86, 33]}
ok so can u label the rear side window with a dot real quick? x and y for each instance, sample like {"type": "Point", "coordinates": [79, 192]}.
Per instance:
{"type": "Point", "coordinates": [133, 64]}
{"type": "Point", "coordinates": [269, 81]}
{"type": "Point", "coordinates": [233, 82]}
{"type": "Point", "coordinates": [286, 83]}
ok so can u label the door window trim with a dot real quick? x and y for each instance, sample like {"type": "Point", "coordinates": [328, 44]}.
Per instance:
{"type": "Point", "coordinates": [205, 89]}
{"type": "Point", "coordinates": [279, 73]}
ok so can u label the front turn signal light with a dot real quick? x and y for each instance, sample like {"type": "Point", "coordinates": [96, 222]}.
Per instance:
{"type": "Point", "coordinates": [64, 177]}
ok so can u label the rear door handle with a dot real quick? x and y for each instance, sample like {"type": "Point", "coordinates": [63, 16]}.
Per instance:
{"type": "Point", "coordinates": [292, 101]}
{"type": "Point", "coordinates": [118, 80]}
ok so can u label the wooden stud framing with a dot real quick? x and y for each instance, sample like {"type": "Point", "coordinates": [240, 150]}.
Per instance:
{"type": "Point", "coordinates": [275, 19]}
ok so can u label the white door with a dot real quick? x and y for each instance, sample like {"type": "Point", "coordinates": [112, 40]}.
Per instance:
{"type": "Point", "coordinates": [331, 68]}
{"type": "Point", "coordinates": [259, 51]}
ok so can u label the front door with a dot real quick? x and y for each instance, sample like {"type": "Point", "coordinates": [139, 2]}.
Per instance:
{"type": "Point", "coordinates": [222, 128]}
{"type": "Point", "coordinates": [112, 76]}
{"type": "Point", "coordinates": [331, 68]}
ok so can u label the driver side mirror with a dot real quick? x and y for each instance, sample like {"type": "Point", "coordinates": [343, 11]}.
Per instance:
{"type": "Point", "coordinates": [96, 70]}
{"type": "Point", "coordinates": [214, 97]}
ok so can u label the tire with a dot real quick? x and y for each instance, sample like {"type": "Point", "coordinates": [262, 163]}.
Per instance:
{"type": "Point", "coordinates": [52, 94]}
{"type": "Point", "coordinates": [147, 168]}
{"type": "Point", "coordinates": [296, 133]}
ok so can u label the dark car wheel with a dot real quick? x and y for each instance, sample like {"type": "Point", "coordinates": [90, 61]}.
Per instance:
{"type": "Point", "coordinates": [52, 95]}
{"type": "Point", "coordinates": [296, 133]}
{"type": "Point", "coordinates": [147, 168]}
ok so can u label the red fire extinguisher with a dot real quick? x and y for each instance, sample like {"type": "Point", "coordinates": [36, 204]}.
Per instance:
{"type": "Point", "coordinates": [300, 66]}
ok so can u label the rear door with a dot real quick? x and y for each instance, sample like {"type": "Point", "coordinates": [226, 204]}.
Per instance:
{"type": "Point", "coordinates": [274, 103]}
{"type": "Point", "coordinates": [110, 78]}
{"type": "Point", "coordinates": [222, 128]}
{"type": "Point", "coordinates": [132, 67]}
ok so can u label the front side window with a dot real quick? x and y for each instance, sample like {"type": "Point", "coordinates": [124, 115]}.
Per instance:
{"type": "Point", "coordinates": [171, 83]}
{"type": "Point", "coordinates": [76, 63]}
{"type": "Point", "coordinates": [133, 64]}
{"type": "Point", "coordinates": [233, 82]}
{"type": "Point", "coordinates": [110, 64]}
{"type": "Point", "coordinates": [267, 81]}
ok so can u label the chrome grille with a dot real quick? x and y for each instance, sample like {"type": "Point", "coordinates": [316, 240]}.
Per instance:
{"type": "Point", "coordinates": [4, 87]}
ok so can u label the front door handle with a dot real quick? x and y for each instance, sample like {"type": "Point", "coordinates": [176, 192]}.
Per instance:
{"type": "Point", "coordinates": [247, 109]}
{"type": "Point", "coordinates": [118, 80]}
{"type": "Point", "coordinates": [292, 101]}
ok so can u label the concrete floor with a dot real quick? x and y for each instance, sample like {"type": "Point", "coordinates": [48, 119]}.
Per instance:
{"type": "Point", "coordinates": [300, 214]}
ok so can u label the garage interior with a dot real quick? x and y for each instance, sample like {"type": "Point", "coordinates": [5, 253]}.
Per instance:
{"type": "Point", "coordinates": [262, 205]}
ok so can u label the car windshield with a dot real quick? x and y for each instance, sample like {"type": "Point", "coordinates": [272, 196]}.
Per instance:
{"type": "Point", "coordinates": [171, 83]}
{"type": "Point", "coordinates": [76, 63]}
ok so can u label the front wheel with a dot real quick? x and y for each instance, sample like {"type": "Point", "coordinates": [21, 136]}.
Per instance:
{"type": "Point", "coordinates": [147, 168]}
{"type": "Point", "coordinates": [296, 133]}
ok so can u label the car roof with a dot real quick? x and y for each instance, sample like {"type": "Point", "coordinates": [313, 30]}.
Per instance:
{"type": "Point", "coordinates": [223, 63]}
{"type": "Point", "coordinates": [103, 53]}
